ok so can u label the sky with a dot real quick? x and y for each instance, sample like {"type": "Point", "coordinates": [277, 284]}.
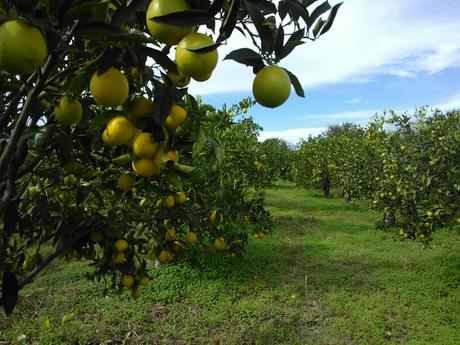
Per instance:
{"type": "Point", "coordinates": [392, 54]}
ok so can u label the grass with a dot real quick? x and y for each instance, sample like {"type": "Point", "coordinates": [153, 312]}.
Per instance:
{"type": "Point", "coordinates": [325, 276]}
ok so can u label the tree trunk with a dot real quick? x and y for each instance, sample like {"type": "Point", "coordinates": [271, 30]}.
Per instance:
{"type": "Point", "coordinates": [326, 185]}
{"type": "Point", "coordinates": [389, 218]}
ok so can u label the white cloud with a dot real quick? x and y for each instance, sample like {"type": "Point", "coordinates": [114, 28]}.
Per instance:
{"type": "Point", "coordinates": [292, 136]}
{"type": "Point", "coordinates": [354, 101]}
{"type": "Point", "coordinates": [369, 37]}
{"type": "Point", "coordinates": [345, 115]}
{"type": "Point", "coordinates": [452, 102]}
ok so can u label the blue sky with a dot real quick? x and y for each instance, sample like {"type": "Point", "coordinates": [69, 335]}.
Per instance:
{"type": "Point", "coordinates": [378, 55]}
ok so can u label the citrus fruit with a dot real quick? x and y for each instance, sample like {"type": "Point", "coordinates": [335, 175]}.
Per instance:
{"type": "Point", "coordinates": [271, 86]}
{"type": "Point", "coordinates": [144, 146]}
{"type": "Point", "coordinates": [140, 107]}
{"type": "Point", "coordinates": [180, 80]}
{"type": "Point", "coordinates": [109, 88]}
{"type": "Point", "coordinates": [68, 111]}
{"type": "Point", "coordinates": [170, 234]}
{"type": "Point", "coordinates": [176, 116]}
{"type": "Point", "coordinates": [137, 292]}
{"type": "Point", "coordinates": [169, 201]}
{"type": "Point", "coordinates": [144, 281]}
{"type": "Point", "coordinates": [118, 258]}
{"type": "Point", "coordinates": [121, 245]}
{"type": "Point", "coordinates": [164, 33]}
{"type": "Point", "coordinates": [194, 64]}
{"type": "Point", "coordinates": [191, 238]}
{"type": "Point", "coordinates": [203, 78]}
{"type": "Point", "coordinates": [181, 198]}
{"type": "Point", "coordinates": [125, 182]}
{"type": "Point", "coordinates": [106, 139]}
{"type": "Point", "coordinates": [215, 217]}
{"type": "Point", "coordinates": [127, 281]}
{"type": "Point", "coordinates": [22, 47]}
{"type": "Point", "coordinates": [120, 130]}
{"type": "Point", "coordinates": [219, 244]}
{"type": "Point", "coordinates": [172, 156]}
{"type": "Point", "coordinates": [145, 167]}
{"type": "Point", "coordinates": [164, 256]}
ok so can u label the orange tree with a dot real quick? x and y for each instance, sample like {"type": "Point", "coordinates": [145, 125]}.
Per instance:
{"type": "Point", "coordinates": [418, 186]}
{"type": "Point", "coordinates": [102, 147]}
{"type": "Point", "coordinates": [277, 158]}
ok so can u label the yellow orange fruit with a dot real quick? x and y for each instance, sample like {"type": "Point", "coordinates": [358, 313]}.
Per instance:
{"type": "Point", "coordinates": [170, 234]}
{"type": "Point", "coordinates": [165, 33]}
{"type": "Point", "coordinates": [176, 116]}
{"type": "Point", "coordinates": [127, 281]}
{"type": "Point", "coordinates": [137, 292]}
{"type": "Point", "coordinates": [144, 281]}
{"type": "Point", "coordinates": [140, 107]}
{"type": "Point", "coordinates": [164, 256]}
{"type": "Point", "coordinates": [191, 238]}
{"type": "Point", "coordinates": [271, 86]}
{"type": "Point", "coordinates": [216, 217]}
{"type": "Point", "coordinates": [145, 167]}
{"type": "Point", "coordinates": [121, 245]}
{"type": "Point", "coordinates": [68, 112]}
{"type": "Point", "coordinates": [181, 198]}
{"type": "Point", "coordinates": [193, 64]}
{"type": "Point", "coordinates": [180, 79]}
{"type": "Point", "coordinates": [120, 130]}
{"type": "Point", "coordinates": [169, 201]}
{"type": "Point", "coordinates": [23, 47]}
{"type": "Point", "coordinates": [125, 182]}
{"type": "Point", "coordinates": [110, 88]}
{"type": "Point", "coordinates": [172, 156]}
{"type": "Point", "coordinates": [119, 258]}
{"type": "Point", "coordinates": [219, 244]}
{"type": "Point", "coordinates": [144, 146]}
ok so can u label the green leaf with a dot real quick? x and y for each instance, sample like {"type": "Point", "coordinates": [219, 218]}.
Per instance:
{"type": "Point", "coordinates": [205, 49]}
{"type": "Point", "coordinates": [215, 7]}
{"type": "Point", "coordinates": [184, 18]}
{"type": "Point", "coordinates": [123, 159]}
{"type": "Point", "coordinates": [298, 10]}
{"type": "Point", "coordinates": [279, 42]}
{"type": "Point", "coordinates": [330, 19]}
{"type": "Point", "coordinates": [125, 12]}
{"type": "Point", "coordinates": [229, 22]}
{"type": "Point", "coordinates": [100, 31]}
{"type": "Point", "coordinates": [293, 41]}
{"type": "Point", "coordinates": [79, 82]}
{"type": "Point", "coordinates": [296, 83]}
{"type": "Point", "coordinates": [264, 31]}
{"type": "Point", "coordinates": [318, 27]}
{"type": "Point", "coordinates": [84, 11]}
{"type": "Point", "coordinates": [246, 56]}
{"type": "Point", "coordinates": [10, 288]}
{"type": "Point", "coordinates": [219, 152]}
{"type": "Point", "coordinates": [174, 179]}
{"type": "Point", "coordinates": [317, 12]}
{"type": "Point", "coordinates": [184, 169]}
{"type": "Point", "coordinates": [160, 58]}
{"type": "Point", "coordinates": [200, 140]}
